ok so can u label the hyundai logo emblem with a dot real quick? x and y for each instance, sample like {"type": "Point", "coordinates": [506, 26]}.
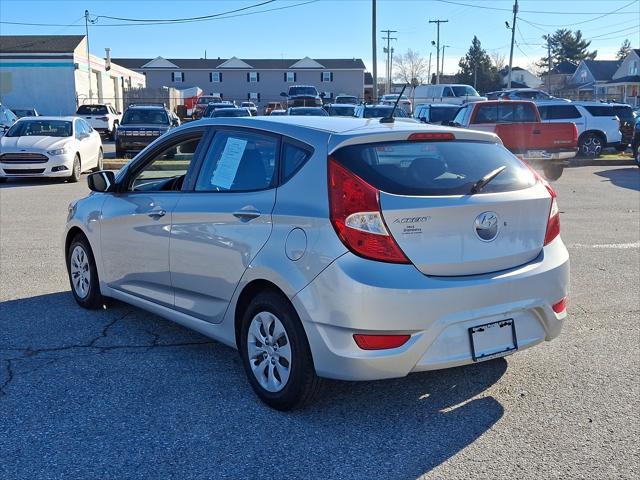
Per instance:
{"type": "Point", "coordinates": [486, 226]}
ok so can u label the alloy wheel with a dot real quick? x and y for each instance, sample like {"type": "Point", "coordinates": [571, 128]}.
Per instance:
{"type": "Point", "coordinates": [269, 351]}
{"type": "Point", "coordinates": [592, 146]}
{"type": "Point", "coordinates": [80, 273]}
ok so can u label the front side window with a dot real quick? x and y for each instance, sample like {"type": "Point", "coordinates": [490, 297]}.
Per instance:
{"type": "Point", "coordinates": [167, 169]}
{"type": "Point", "coordinates": [80, 130]}
{"type": "Point", "coordinates": [239, 162]}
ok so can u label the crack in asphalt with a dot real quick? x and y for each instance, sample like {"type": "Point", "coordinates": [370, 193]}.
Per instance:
{"type": "Point", "coordinates": [28, 353]}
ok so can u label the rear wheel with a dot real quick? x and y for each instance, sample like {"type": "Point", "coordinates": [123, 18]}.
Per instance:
{"type": "Point", "coordinates": [553, 172]}
{"type": "Point", "coordinates": [76, 170]}
{"type": "Point", "coordinates": [112, 133]}
{"type": "Point", "coordinates": [275, 353]}
{"type": "Point", "coordinates": [98, 167]}
{"type": "Point", "coordinates": [83, 275]}
{"type": "Point", "coordinates": [591, 145]}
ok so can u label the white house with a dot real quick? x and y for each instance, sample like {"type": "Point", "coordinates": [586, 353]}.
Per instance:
{"type": "Point", "coordinates": [54, 75]}
{"type": "Point", "coordinates": [520, 78]}
{"type": "Point", "coordinates": [625, 83]}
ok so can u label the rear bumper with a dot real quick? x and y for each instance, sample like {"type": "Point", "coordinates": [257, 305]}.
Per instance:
{"type": "Point", "coordinates": [558, 156]}
{"type": "Point", "coordinates": [354, 295]}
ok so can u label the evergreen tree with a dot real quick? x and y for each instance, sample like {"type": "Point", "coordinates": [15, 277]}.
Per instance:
{"type": "Point", "coordinates": [567, 46]}
{"type": "Point", "coordinates": [476, 68]}
{"type": "Point", "coordinates": [625, 49]}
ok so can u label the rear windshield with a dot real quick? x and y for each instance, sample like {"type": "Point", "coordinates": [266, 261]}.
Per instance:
{"type": "Point", "coordinates": [230, 112]}
{"type": "Point", "coordinates": [303, 91]}
{"type": "Point", "coordinates": [308, 112]}
{"type": "Point", "coordinates": [505, 112]}
{"type": "Point", "coordinates": [379, 112]}
{"type": "Point", "coordinates": [145, 117]}
{"type": "Point", "coordinates": [345, 99]}
{"type": "Point", "coordinates": [434, 168]}
{"type": "Point", "coordinates": [624, 113]}
{"type": "Point", "coordinates": [92, 110]}
{"type": "Point", "coordinates": [442, 114]}
{"type": "Point", "coordinates": [341, 111]}
{"type": "Point", "coordinates": [40, 128]}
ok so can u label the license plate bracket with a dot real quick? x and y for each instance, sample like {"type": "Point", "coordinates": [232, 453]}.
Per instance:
{"type": "Point", "coordinates": [492, 340]}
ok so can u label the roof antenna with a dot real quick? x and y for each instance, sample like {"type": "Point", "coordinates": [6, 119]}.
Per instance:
{"type": "Point", "coordinates": [389, 118]}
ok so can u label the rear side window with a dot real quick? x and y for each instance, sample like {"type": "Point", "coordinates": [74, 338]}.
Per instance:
{"type": "Point", "coordinates": [239, 162]}
{"type": "Point", "coordinates": [434, 168]}
{"type": "Point", "coordinates": [506, 112]}
{"type": "Point", "coordinates": [624, 113]}
{"type": "Point", "coordinates": [601, 111]}
{"type": "Point", "coordinates": [293, 157]}
{"type": "Point", "coordinates": [558, 112]}
{"type": "Point", "coordinates": [442, 114]}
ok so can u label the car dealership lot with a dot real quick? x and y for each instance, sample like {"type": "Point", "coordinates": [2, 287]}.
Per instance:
{"type": "Point", "coordinates": [122, 393]}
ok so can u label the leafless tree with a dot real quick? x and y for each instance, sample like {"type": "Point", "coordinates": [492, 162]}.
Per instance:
{"type": "Point", "coordinates": [410, 68]}
{"type": "Point", "coordinates": [498, 60]}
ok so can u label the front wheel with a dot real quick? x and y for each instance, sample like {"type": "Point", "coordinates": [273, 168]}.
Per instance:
{"type": "Point", "coordinates": [275, 353]}
{"type": "Point", "coordinates": [83, 275]}
{"type": "Point", "coordinates": [76, 170]}
{"type": "Point", "coordinates": [553, 172]}
{"type": "Point", "coordinates": [98, 167]}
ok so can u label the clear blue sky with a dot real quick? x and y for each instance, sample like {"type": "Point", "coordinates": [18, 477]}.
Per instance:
{"type": "Point", "coordinates": [327, 28]}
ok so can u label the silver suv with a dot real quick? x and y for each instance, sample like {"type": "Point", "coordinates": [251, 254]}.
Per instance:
{"type": "Point", "coordinates": [326, 247]}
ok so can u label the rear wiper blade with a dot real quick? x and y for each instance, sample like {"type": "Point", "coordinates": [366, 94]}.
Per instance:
{"type": "Point", "coordinates": [480, 184]}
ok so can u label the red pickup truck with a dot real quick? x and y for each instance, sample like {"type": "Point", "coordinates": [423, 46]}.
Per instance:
{"type": "Point", "coordinates": [517, 123]}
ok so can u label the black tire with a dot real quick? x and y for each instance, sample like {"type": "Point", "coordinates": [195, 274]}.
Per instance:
{"type": "Point", "coordinates": [76, 170]}
{"type": "Point", "coordinates": [120, 153]}
{"type": "Point", "coordinates": [303, 384]}
{"type": "Point", "coordinates": [621, 148]}
{"type": "Point", "coordinates": [591, 144]}
{"type": "Point", "coordinates": [553, 172]}
{"type": "Point", "coordinates": [100, 164]}
{"type": "Point", "coordinates": [93, 299]}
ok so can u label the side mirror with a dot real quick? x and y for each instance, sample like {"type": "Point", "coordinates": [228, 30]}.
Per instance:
{"type": "Point", "coordinates": [102, 181]}
{"type": "Point", "coordinates": [175, 122]}
{"type": "Point", "coordinates": [282, 94]}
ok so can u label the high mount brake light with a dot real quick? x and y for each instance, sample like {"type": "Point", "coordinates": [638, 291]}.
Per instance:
{"type": "Point", "coordinates": [431, 136]}
{"type": "Point", "coordinates": [355, 214]}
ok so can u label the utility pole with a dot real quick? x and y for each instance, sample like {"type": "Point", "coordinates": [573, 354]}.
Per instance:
{"type": "Point", "coordinates": [86, 26]}
{"type": "Point", "coordinates": [387, 50]}
{"type": "Point", "coordinates": [549, 59]}
{"type": "Point", "coordinates": [438, 22]}
{"type": "Point", "coordinates": [375, 52]}
{"type": "Point", "coordinates": [442, 68]}
{"type": "Point", "coordinates": [513, 38]}
{"type": "Point", "coordinates": [391, 70]}
{"type": "Point", "coordinates": [429, 70]}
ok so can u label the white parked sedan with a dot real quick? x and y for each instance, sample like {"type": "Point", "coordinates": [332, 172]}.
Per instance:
{"type": "Point", "coordinates": [50, 147]}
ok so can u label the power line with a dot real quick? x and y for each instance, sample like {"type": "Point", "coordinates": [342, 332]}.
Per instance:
{"type": "Point", "coordinates": [586, 21]}
{"type": "Point", "coordinates": [181, 20]}
{"type": "Point", "coordinates": [162, 23]}
{"type": "Point", "coordinates": [484, 7]}
{"type": "Point", "coordinates": [616, 31]}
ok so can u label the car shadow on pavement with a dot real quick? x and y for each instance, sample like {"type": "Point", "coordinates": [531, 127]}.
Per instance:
{"type": "Point", "coordinates": [622, 177]}
{"type": "Point", "coordinates": [35, 182]}
{"type": "Point", "coordinates": [120, 393]}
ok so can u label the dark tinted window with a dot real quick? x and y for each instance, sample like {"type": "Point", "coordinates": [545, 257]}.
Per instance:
{"type": "Point", "coordinates": [379, 112]}
{"type": "Point", "coordinates": [558, 112]}
{"type": "Point", "coordinates": [464, 90]}
{"type": "Point", "coordinates": [345, 111]}
{"type": "Point", "coordinates": [506, 112]}
{"type": "Point", "coordinates": [230, 112]}
{"type": "Point", "coordinates": [309, 112]}
{"type": "Point", "coordinates": [140, 116]}
{"type": "Point", "coordinates": [238, 161]}
{"type": "Point", "coordinates": [441, 114]}
{"type": "Point", "coordinates": [624, 113]}
{"type": "Point", "coordinates": [346, 99]}
{"type": "Point", "coordinates": [459, 118]}
{"type": "Point", "coordinates": [92, 110]}
{"type": "Point", "coordinates": [601, 111]}
{"type": "Point", "coordinates": [293, 157]}
{"type": "Point", "coordinates": [40, 128]}
{"type": "Point", "coordinates": [434, 168]}
{"type": "Point", "coordinates": [303, 91]}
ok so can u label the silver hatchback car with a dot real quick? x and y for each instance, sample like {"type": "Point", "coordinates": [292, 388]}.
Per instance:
{"type": "Point", "coordinates": [325, 247]}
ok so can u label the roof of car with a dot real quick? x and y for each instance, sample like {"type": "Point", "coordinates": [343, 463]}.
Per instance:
{"type": "Point", "coordinates": [39, 118]}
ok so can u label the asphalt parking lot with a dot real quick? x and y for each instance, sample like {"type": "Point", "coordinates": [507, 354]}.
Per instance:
{"type": "Point", "coordinates": [120, 393]}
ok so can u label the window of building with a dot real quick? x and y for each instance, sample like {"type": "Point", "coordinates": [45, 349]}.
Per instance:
{"type": "Point", "coordinates": [215, 77]}
{"type": "Point", "coordinates": [253, 77]}
{"type": "Point", "coordinates": [633, 68]}
{"type": "Point", "coordinates": [326, 76]}
{"type": "Point", "coordinates": [290, 77]}
{"type": "Point", "coordinates": [177, 76]}
{"type": "Point", "coordinates": [253, 96]}
{"type": "Point", "coordinates": [327, 95]}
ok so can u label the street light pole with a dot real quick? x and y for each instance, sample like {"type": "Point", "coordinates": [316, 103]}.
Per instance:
{"type": "Point", "coordinates": [388, 38]}
{"type": "Point", "coordinates": [442, 68]}
{"type": "Point", "coordinates": [438, 22]}
{"type": "Point", "coordinates": [375, 52]}
{"type": "Point", "coordinates": [86, 26]}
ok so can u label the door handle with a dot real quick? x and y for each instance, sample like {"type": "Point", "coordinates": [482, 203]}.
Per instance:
{"type": "Point", "coordinates": [159, 213]}
{"type": "Point", "coordinates": [246, 215]}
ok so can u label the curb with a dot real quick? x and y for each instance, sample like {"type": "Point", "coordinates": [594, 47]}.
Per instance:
{"type": "Point", "coordinates": [594, 162]}
{"type": "Point", "coordinates": [111, 165]}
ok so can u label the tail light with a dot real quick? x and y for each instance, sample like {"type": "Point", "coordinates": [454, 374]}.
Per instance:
{"type": "Point", "coordinates": [561, 306]}
{"type": "Point", "coordinates": [356, 216]}
{"type": "Point", "coordinates": [380, 342]}
{"type": "Point", "coordinates": [553, 224]}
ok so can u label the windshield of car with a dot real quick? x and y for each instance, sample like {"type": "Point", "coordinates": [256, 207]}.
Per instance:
{"type": "Point", "coordinates": [346, 99]}
{"type": "Point", "coordinates": [383, 111]}
{"type": "Point", "coordinates": [205, 100]}
{"type": "Point", "coordinates": [92, 110]}
{"type": "Point", "coordinates": [464, 90]}
{"type": "Point", "coordinates": [442, 114]}
{"type": "Point", "coordinates": [309, 112]}
{"type": "Point", "coordinates": [23, 113]}
{"type": "Point", "coordinates": [303, 91]}
{"type": "Point", "coordinates": [40, 128]}
{"type": "Point", "coordinates": [344, 111]}
{"type": "Point", "coordinates": [139, 116]}
{"type": "Point", "coordinates": [230, 112]}
{"type": "Point", "coordinates": [216, 106]}
{"type": "Point", "coordinates": [247, 104]}
{"type": "Point", "coordinates": [434, 168]}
